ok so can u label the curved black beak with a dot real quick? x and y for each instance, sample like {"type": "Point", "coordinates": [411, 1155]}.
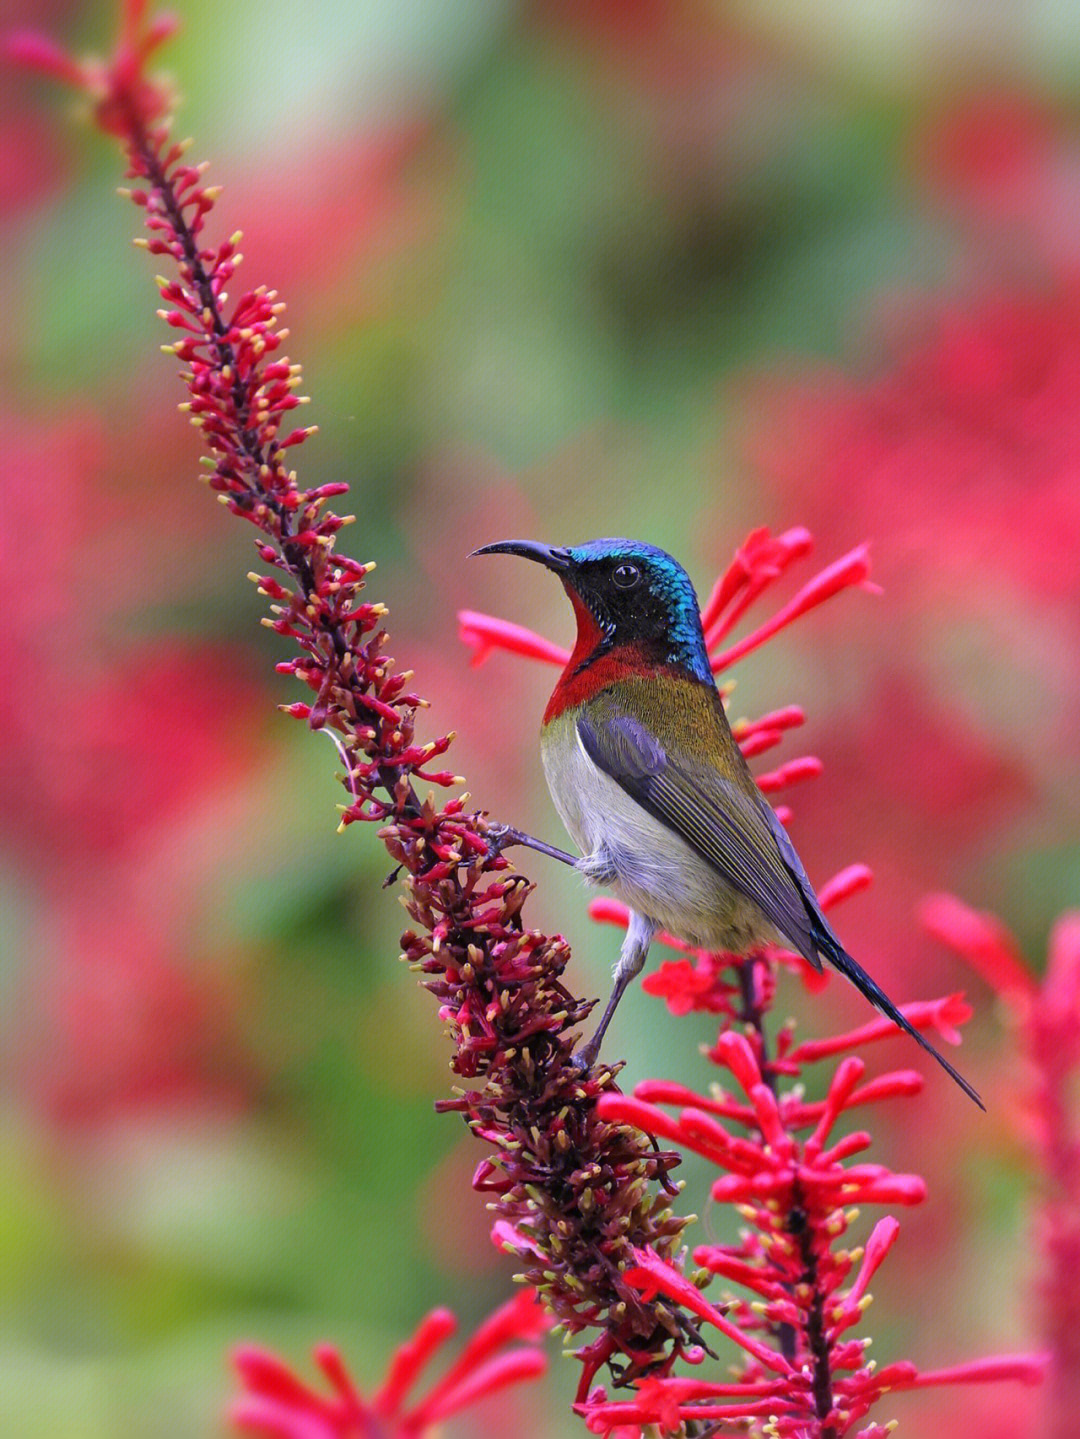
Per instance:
{"type": "Point", "coordinates": [552, 558]}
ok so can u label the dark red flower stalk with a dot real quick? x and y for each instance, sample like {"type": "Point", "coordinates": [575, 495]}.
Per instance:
{"type": "Point", "coordinates": [1045, 1015]}
{"type": "Point", "coordinates": [277, 1405]}
{"type": "Point", "coordinates": [576, 1193]}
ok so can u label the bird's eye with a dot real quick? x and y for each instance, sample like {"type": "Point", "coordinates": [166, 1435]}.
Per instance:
{"type": "Point", "coordinates": [626, 576]}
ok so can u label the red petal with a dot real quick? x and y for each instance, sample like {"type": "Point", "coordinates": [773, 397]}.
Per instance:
{"type": "Point", "coordinates": [485, 633]}
{"type": "Point", "coordinates": [432, 1331]}
{"type": "Point", "coordinates": [852, 569]}
{"type": "Point", "coordinates": [983, 941]}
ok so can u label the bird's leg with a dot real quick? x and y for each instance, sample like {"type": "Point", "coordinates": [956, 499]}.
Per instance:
{"type": "Point", "coordinates": [635, 948]}
{"type": "Point", "coordinates": [502, 836]}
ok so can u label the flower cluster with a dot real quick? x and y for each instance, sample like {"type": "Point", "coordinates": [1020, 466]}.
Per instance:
{"type": "Point", "coordinates": [804, 1374]}
{"type": "Point", "coordinates": [276, 1404]}
{"type": "Point", "coordinates": [1045, 1015]}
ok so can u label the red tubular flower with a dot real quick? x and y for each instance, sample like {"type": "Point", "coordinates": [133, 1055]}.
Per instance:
{"type": "Point", "coordinates": [985, 944]}
{"type": "Point", "coordinates": [802, 1370]}
{"type": "Point", "coordinates": [122, 93]}
{"type": "Point", "coordinates": [758, 561]}
{"type": "Point", "coordinates": [277, 1405]}
{"type": "Point", "coordinates": [484, 633]}
{"type": "Point", "coordinates": [851, 569]}
{"type": "Point", "coordinates": [1046, 1018]}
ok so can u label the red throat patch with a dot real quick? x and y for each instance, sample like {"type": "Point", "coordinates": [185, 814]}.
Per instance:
{"type": "Point", "coordinates": [575, 688]}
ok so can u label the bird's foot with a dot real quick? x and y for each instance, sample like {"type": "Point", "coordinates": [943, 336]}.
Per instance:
{"type": "Point", "coordinates": [585, 1058]}
{"type": "Point", "coordinates": [498, 837]}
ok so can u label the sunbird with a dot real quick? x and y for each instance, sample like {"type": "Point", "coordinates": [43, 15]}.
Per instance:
{"type": "Point", "coordinates": [648, 780]}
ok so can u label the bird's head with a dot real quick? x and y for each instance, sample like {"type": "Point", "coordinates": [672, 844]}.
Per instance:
{"type": "Point", "coordinates": [624, 592]}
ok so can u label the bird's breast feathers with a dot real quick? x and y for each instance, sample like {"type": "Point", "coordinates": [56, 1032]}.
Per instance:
{"type": "Point", "coordinates": [588, 673]}
{"type": "Point", "coordinates": [648, 866]}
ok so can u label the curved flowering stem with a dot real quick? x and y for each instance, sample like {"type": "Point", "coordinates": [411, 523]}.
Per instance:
{"type": "Point", "coordinates": [574, 1193]}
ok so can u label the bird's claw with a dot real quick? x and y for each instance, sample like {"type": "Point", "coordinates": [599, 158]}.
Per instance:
{"type": "Point", "coordinates": [585, 1058]}
{"type": "Point", "coordinates": [497, 836]}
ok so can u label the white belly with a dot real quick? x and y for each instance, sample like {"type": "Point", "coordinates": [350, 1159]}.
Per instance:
{"type": "Point", "coordinates": [655, 872]}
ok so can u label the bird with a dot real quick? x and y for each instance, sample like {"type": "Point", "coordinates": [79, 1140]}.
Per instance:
{"type": "Point", "coordinates": [649, 782]}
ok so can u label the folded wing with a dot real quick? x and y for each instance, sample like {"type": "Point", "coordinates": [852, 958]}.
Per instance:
{"type": "Point", "coordinates": [732, 829]}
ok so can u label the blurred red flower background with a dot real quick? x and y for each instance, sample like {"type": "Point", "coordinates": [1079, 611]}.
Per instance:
{"type": "Point", "coordinates": [562, 271]}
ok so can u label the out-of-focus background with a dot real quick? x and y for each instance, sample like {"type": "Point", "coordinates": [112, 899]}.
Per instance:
{"type": "Point", "coordinates": [664, 269]}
